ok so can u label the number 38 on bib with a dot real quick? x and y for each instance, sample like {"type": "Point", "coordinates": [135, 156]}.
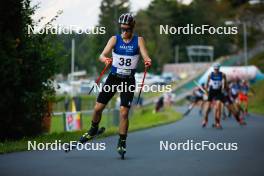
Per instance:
{"type": "Point", "coordinates": [124, 65]}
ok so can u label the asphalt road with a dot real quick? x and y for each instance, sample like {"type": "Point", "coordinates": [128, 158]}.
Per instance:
{"type": "Point", "coordinates": [145, 158]}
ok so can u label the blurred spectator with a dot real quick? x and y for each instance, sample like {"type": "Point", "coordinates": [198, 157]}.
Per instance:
{"type": "Point", "coordinates": [66, 102]}
{"type": "Point", "coordinates": [159, 104]}
{"type": "Point", "coordinates": [168, 98]}
{"type": "Point", "coordinates": [77, 101]}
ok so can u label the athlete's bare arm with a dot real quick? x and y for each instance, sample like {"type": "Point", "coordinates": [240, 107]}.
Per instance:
{"type": "Point", "coordinates": [225, 81]}
{"type": "Point", "coordinates": [143, 49]}
{"type": "Point", "coordinates": [207, 83]}
{"type": "Point", "coordinates": [108, 48]}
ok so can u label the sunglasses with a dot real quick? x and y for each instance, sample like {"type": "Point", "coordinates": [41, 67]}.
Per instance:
{"type": "Point", "coordinates": [126, 29]}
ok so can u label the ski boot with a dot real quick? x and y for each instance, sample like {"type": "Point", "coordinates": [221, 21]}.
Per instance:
{"type": "Point", "coordinates": [89, 135]}
{"type": "Point", "coordinates": [204, 124]}
{"type": "Point", "coordinates": [242, 122]}
{"type": "Point", "coordinates": [121, 148]}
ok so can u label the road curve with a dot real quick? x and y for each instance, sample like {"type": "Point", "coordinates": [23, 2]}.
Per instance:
{"type": "Point", "coordinates": [145, 158]}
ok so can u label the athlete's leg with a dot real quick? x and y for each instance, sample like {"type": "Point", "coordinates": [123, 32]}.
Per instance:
{"type": "Point", "coordinates": [202, 106]}
{"type": "Point", "coordinates": [224, 111]}
{"type": "Point", "coordinates": [238, 105]}
{"type": "Point", "coordinates": [97, 113]}
{"type": "Point", "coordinates": [96, 118]}
{"type": "Point", "coordinates": [123, 125]}
{"type": "Point", "coordinates": [126, 98]}
{"type": "Point", "coordinates": [207, 107]}
{"type": "Point", "coordinates": [235, 113]}
{"type": "Point", "coordinates": [123, 128]}
{"type": "Point", "coordinates": [98, 109]}
{"type": "Point", "coordinates": [215, 109]}
{"type": "Point", "coordinates": [229, 112]}
{"type": "Point", "coordinates": [218, 110]}
{"type": "Point", "coordinates": [103, 98]}
{"type": "Point", "coordinates": [236, 108]}
{"type": "Point", "coordinates": [246, 105]}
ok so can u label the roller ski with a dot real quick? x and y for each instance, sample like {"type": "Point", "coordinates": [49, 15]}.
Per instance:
{"type": "Point", "coordinates": [242, 122]}
{"type": "Point", "coordinates": [186, 112]}
{"type": "Point", "coordinates": [88, 136]}
{"type": "Point", "coordinates": [217, 126]}
{"type": "Point", "coordinates": [121, 148]}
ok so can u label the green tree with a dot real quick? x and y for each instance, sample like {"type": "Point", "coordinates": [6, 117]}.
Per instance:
{"type": "Point", "coordinates": [26, 70]}
{"type": "Point", "coordinates": [172, 13]}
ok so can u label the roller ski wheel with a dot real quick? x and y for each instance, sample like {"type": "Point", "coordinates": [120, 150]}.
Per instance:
{"type": "Point", "coordinates": [69, 148]}
{"type": "Point", "coordinates": [217, 126]}
{"type": "Point", "coordinates": [85, 138]}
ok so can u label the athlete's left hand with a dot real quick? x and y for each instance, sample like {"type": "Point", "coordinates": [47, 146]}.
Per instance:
{"type": "Point", "coordinates": [108, 61]}
{"type": "Point", "coordinates": [147, 63]}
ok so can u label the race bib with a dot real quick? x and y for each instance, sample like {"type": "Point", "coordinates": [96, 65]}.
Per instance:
{"type": "Point", "coordinates": [216, 84]}
{"type": "Point", "coordinates": [125, 62]}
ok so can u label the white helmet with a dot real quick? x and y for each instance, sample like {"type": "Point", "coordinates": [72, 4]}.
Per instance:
{"type": "Point", "coordinates": [216, 66]}
{"type": "Point", "coordinates": [127, 18]}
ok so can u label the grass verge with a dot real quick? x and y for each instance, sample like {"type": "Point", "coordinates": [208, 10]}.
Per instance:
{"type": "Point", "coordinates": [140, 119]}
{"type": "Point", "coordinates": [258, 61]}
{"type": "Point", "coordinates": [256, 102]}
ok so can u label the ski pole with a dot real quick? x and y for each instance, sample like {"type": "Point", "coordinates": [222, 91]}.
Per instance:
{"type": "Point", "coordinates": [99, 78]}
{"type": "Point", "coordinates": [142, 84]}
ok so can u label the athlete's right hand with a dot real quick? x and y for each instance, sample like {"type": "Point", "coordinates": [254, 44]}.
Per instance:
{"type": "Point", "coordinates": [147, 63]}
{"type": "Point", "coordinates": [107, 61]}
